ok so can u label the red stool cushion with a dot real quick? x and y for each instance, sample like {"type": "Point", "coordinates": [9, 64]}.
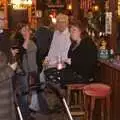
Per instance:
{"type": "Point", "coordinates": [97, 90]}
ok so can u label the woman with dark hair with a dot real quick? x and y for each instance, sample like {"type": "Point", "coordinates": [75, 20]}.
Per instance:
{"type": "Point", "coordinates": [27, 55]}
{"type": "Point", "coordinates": [83, 55]}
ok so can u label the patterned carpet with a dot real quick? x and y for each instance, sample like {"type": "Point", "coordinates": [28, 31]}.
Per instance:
{"type": "Point", "coordinates": [55, 105]}
{"type": "Point", "coordinates": [55, 116]}
{"type": "Point", "coordinates": [57, 108]}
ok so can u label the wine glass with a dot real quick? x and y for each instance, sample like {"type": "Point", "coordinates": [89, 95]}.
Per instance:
{"type": "Point", "coordinates": [60, 64]}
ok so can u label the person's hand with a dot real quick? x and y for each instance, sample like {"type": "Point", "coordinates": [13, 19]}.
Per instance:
{"type": "Point", "coordinates": [45, 62]}
{"type": "Point", "coordinates": [14, 51]}
{"type": "Point", "coordinates": [27, 38]}
{"type": "Point", "coordinates": [68, 61]}
{"type": "Point", "coordinates": [13, 66]}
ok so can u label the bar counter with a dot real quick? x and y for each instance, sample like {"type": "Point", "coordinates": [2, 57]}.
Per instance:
{"type": "Point", "coordinates": [109, 73]}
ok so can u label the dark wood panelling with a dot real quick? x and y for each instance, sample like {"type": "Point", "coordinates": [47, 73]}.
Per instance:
{"type": "Point", "coordinates": [17, 16]}
{"type": "Point", "coordinates": [110, 74]}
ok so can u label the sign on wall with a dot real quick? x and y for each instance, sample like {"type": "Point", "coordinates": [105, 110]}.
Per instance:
{"type": "Point", "coordinates": [118, 8]}
{"type": "Point", "coordinates": [2, 19]}
{"type": "Point", "coordinates": [38, 13]}
{"type": "Point", "coordinates": [108, 23]}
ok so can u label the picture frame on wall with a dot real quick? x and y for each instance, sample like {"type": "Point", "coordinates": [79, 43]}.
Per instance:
{"type": "Point", "coordinates": [2, 19]}
{"type": "Point", "coordinates": [108, 23]}
{"type": "Point", "coordinates": [55, 3]}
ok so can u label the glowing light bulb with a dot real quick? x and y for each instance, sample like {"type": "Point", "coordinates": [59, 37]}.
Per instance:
{"type": "Point", "coordinates": [69, 7]}
{"type": "Point", "coordinates": [54, 20]}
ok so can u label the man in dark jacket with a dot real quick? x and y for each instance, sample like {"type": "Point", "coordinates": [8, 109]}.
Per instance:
{"type": "Point", "coordinates": [4, 42]}
{"type": "Point", "coordinates": [43, 41]}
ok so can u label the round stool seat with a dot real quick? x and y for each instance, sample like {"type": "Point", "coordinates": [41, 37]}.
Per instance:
{"type": "Point", "coordinates": [97, 90]}
{"type": "Point", "coordinates": [75, 86]}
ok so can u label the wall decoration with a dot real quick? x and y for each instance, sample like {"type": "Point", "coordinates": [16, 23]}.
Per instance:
{"type": "Point", "coordinates": [2, 19]}
{"type": "Point", "coordinates": [55, 3]}
{"type": "Point", "coordinates": [108, 23]}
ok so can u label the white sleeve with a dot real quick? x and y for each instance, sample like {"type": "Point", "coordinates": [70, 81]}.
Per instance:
{"type": "Point", "coordinates": [13, 66]}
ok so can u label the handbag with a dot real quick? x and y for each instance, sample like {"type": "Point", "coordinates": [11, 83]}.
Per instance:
{"type": "Point", "coordinates": [68, 76]}
{"type": "Point", "coordinates": [32, 77]}
{"type": "Point", "coordinates": [52, 75]}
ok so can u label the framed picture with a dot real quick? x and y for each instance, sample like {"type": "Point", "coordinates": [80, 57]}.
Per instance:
{"type": "Point", "coordinates": [38, 13]}
{"type": "Point", "coordinates": [2, 19]}
{"type": "Point", "coordinates": [108, 23]}
{"type": "Point", "coordinates": [55, 3]}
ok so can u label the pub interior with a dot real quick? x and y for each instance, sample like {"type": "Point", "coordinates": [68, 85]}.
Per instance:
{"type": "Point", "coordinates": [102, 102]}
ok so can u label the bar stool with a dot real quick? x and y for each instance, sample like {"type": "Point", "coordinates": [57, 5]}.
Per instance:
{"type": "Point", "coordinates": [97, 91]}
{"type": "Point", "coordinates": [75, 91]}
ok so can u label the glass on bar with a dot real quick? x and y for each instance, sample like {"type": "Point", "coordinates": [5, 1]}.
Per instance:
{"type": "Point", "coordinates": [60, 63]}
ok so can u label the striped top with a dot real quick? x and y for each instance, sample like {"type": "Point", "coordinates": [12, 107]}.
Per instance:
{"type": "Point", "coordinates": [7, 108]}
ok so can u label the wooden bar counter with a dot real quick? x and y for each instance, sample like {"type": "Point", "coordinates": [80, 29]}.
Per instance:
{"type": "Point", "coordinates": [109, 73]}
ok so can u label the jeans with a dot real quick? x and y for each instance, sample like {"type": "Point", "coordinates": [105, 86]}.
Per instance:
{"type": "Point", "coordinates": [34, 102]}
{"type": "Point", "coordinates": [42, 80]}
{"type": "Point", "coordinates": [44, 109]}
{"type": "Point", "coordinates": [23, 98]}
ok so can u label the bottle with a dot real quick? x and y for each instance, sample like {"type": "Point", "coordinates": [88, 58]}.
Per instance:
{"type": "Point", "coordinates": [111, 55]}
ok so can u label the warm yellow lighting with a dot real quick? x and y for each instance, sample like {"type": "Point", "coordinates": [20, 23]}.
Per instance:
{"type": "Point", "coordinates": [118, 8]}
{"type": "Point", "coordinates": [95, 8]}
{"type": "Point", "coordinates": [15, 2]}
{"type": "Point", "coordinates": [27, 2]}
{"type": "Point", "coordinates": [21, 4]}
{"type": "Point", "coordinates": [69, 7]}
{"type": "Point", "coordinates": [53, 20]}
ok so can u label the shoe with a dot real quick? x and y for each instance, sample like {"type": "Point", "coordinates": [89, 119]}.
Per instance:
{"type": "Point", "coordinates": [31, 118]}
{"type": "Point", "coordinates": [32, 114]}
{"type": "Point", "coordinates": [32, 111]}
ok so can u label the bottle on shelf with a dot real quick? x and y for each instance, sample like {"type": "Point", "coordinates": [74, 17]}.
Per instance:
{"type": "Point", "coordinates": [103, 51]}
{"type": "Point", "coordinates": [111, 55]}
